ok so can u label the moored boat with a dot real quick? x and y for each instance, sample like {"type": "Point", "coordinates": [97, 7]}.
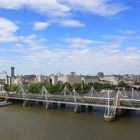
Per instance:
{"type": "Point", "coordinates": [5, 103]}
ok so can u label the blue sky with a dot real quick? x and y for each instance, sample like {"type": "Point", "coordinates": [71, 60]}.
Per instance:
{"type": "Point", "coordinates": [53, 36]}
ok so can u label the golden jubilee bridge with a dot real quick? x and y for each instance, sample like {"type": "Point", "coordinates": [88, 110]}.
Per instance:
{"type": "Point", "coordinates": [113, 101]}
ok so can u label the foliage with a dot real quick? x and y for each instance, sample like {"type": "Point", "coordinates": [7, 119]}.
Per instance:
{"type": "Point", "coordinates": [10, 88]}
{"type": "Point", "coordinates": [98, 85]}
{"type": "Point", "coordinates": [122, 84]}
{"type": "Point", "coordinates": [87, 87]}
{"type": "Point", "coordinates": [77, 86]}
{"type": "Point", "coordinates": [51, 88]}
{"type": "Point", "coordinates": [35, 88]}
{"type": "Point", "coordinates": [137, 83]}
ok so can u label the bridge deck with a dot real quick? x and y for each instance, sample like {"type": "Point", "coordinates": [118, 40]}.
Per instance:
{"type": "Point", "coordinates": [133, 104]}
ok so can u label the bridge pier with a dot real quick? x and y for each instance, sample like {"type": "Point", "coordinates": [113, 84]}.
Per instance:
{"type": "Point", "coordinates": [24, 103]}
{"type": "Point", "coordinates": [54, 105]}
{"type": "Point", "coordinates": [77, 109]}
{"type": "Point", "coordinates": [90, 108]}
{"type": "Point", "coordinates": [48, 105]}
{"type": "Point", "coordinates": [83, 108]}
{"type": "Point", "coordinates": [62, 105]}
{"type": "Point", "coordinates": [40, 103]}
{"type": "Point", "coordinates": [122, 112]}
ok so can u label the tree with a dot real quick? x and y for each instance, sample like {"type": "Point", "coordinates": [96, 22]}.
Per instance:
{"type": "Point", "coordinates": [122, 84]}
{"type": "Point", "coordinates": [50, 87]}
{"type": "Point", "coordinates": [10, 88]}
{"type": "Point", "coordinates": [77, 86]}
{"type": "Point", "coordinates": [87, 87]}
{"type": "Point", "coordinates": [68, 85]}
{"type": "Point", "coordinates": [108, 86]}
{"type": "Point", "coordinates": [98, 85]}
{"type": "Point", "coordinates": [35, 88]}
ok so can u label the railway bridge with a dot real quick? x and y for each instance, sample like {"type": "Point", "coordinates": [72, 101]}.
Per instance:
{"type": "Point", "coordinates": [111, 100]}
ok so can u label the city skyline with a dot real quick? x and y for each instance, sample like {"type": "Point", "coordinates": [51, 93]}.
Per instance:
{"type": "Point", "coordinates": [52, 36]}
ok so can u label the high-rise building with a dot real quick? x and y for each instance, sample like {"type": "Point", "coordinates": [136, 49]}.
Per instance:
{"type": "Point", "coordinates": [12, 72]}
{"type": "Point", "coordinates": [100, 74]}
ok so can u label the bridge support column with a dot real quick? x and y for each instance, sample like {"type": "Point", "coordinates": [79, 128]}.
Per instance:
{"type": "Point", "coordinates": [54, 105]}
{"type": "Point", "coordinates": [25, 103]}
{"type": "Point", "coordinates": [77, 109]}
{"type": "Point", "coordinates": [40, 103]}
{"type": "Point", "coordinates": [83, 108]}
{"type": "Point", "coordinates": [48, 105]}
{"type": "Point", "coordinates": [62, 105]}
{"type": "Point", "coordinates": [122, 112]}
{"type": "Point", "coordinates": [90, 108]}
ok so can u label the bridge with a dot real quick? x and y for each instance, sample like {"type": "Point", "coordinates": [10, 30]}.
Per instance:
{"type": "Point", "coordinates": [111, 100]}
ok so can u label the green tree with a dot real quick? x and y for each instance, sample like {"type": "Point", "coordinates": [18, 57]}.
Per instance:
{"type": "Point", "coordinates": [77, 86]}
{"type": "Point", "coordinates": [50, 87]}
{"type": "Point", "coordinates": [108, 86]}
{"type": "Point", "coordinates": [68, 85]}
{"type": "Point", "coordinates": [35, 88]}
{"type": "Point", "coordinates": [98, 85]}
{"type": "Point", "coordinates": [87, 87]}
{"type": "Point", "coordinates": [11, 88]}
{"type": "Point", "coordinates": [122, 84]}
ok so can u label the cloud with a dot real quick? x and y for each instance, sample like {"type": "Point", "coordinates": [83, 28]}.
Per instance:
{"type": "Point", "coordinates": [71, 23]}
{"type": "Point", "coordinates": [96, 7]}
{"type": "Point", "coordinates": [49, 7]}
{"type": "Point", "coordinates": [64, 12]}
{"type": "Point", "coordinates": [131, 49]}
{"type": "Point", "coordinates": [41, 25]}
{"type": "Point", "coordinates": [78, 40]}
{"type": "Point", "coordinates": [7, 30]}
{"type": "Point", "coordinates": [78, 43]}
{"type": "Point", "coordinates": [88, 58]}
{"type": "Point", "coordinates": [62, 8]}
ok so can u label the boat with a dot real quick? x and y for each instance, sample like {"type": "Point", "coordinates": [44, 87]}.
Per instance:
{"type": "Point", "coordinates": [5, 103]}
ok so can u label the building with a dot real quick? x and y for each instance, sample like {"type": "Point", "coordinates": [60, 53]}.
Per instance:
{"type": "Point", "coordinates": [114, 80]}
{"type": "Point", "coordinates": [28, 79]}
{"type": "Point", "coordinates": [88, 79]}
{"type": "Point", "coordinates": [42, 79]}
{"type": "Point", "coordinates": [2, 90]}
{"type": "Point", "coordinates": [70, 78]}
{"type": "Point", "coordinates": [12, 78]}
{"type": "Point", "coordinates": [4, 78]}
{"type": "Point", "coordinates": [12, 72]}
{"type": "Point", "coordinates": [54, 79]}
{"type": "Point", "coordinates": [100, 74]}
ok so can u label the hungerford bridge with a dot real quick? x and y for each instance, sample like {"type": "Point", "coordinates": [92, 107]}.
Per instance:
{"type": "Point", "coordinates": [113, 101]}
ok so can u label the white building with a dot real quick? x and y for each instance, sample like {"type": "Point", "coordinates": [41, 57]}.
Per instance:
{"type": "Point", "coordinates": [2, 91]}
{"type": "Point", "coordinates": [70, 78]}
{"type": "Point", "coordinates": [4, 78]}
{"type": "Point", "coordinates": [110, 79]}
{"type": "Point", "coordinates": [54, 79]}
{"type": "Point", "coordinates": [88, 79]}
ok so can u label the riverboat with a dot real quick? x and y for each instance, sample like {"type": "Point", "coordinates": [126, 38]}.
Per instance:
{"type": "Point", "coordinates": [5, 103]}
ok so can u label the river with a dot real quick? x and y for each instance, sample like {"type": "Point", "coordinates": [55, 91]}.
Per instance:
{"type": "Point", "coordinates": [37, 123]}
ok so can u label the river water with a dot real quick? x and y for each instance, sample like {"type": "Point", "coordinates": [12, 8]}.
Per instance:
{"type": "Point", "coordinates": [37, 123]}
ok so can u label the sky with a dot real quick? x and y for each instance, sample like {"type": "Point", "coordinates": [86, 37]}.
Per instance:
{"type": "Point", "coordinates": [60, 36]}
